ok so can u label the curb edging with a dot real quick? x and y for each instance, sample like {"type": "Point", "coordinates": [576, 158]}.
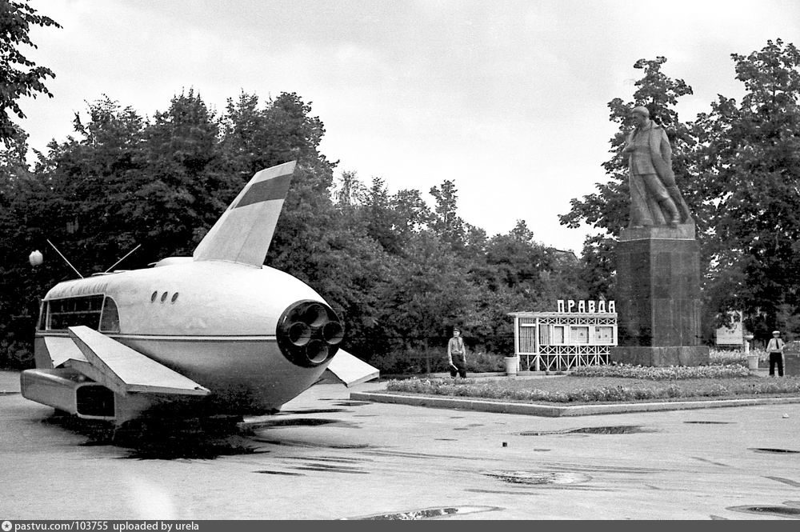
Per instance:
{"type": "Point", "coordinates": [559, 411]}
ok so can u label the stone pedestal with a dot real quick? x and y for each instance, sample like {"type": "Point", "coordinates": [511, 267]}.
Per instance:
{"type": "Point", "coordinates": [791, 365]}
{"type": "Point", "coordinates": [658, 298]}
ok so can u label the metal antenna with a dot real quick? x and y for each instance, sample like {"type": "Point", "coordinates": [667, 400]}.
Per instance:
{"type": "Point", "coordinates": [123, 258]}
{"type": "Point", "coordinates": [65, 260]}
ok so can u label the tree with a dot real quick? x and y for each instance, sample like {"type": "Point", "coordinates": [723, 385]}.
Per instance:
{"type": "Point", "coordinates": [19, 76]}
{"type": "Point", "coordinates": [180, 189]}
{"type": "Point", "coordinates": [351, 192]}
{"type": "Point", "coordinates": [428, 294]}
{"type": "Point", "coordinates": [748, 167]}
{"type": "Point", "coordinates": [17, 308]}
{"type": "Point", "coordinates": [446, 223]}
{"type": "Point", "coordinates": [398, 273]}
{"type": "Point", "coordinates": [91, 188]}
{"type": "Point", "coordinates": [515, 260]}
{"type": "Point", "coordinates": [411, 215]}
{"type": "Point", "coordinates": [380, 217]}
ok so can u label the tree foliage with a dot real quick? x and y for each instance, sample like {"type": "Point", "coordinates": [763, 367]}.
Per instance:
{"type": "Point", "coordinates": [19, 76]}
{"type": "Point", "coordinates": [747, 161]}
{"type": "Point", "coordinates": [738, 167]}
{"type": "Point", "coordinates": [400, 273]}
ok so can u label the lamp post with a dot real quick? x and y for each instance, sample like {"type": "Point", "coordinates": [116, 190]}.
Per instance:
{"type": "Point", "coordinates": [747, 339]}
{"type": "Point", "coordinates": [752, 360]}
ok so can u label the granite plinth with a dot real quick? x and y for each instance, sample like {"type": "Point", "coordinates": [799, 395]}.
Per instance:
{"type": "Point", "coordinates": [791, 365]}
{"type": "Point", "coordinates": [660, 356]}
{"type": "Point", "coordinates": [658, 296]}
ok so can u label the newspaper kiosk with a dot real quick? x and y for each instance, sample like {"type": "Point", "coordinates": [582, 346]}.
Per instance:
{"type": "Point", "coordinates": [577, 334]}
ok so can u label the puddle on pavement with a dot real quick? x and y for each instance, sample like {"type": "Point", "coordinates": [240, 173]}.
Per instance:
{"type": "Point", "coordinates": [158, 441]}
{"type": "Point", "coordinates": [295, 422]}
{"type": "Point", "coordinates": [312, 411]}
{"type": "Point", "coordinates": [352, 403]}
{"type": "Point", "coordinates": [622, 429]}
{"type": "Point", "coordinates": [186, 445]}
{"type": "Point", "coordinates": [307, 444]}
{"type": "Point", "coordinates": [2, 393]}
{"type": "Point", "coordinates": [788, 482]}
{"type": "Point", "coordinates": [775, 451]}
{"type": "Point", "coordinates": [712, 462]}
{"type": "Point", "coordinates": [327, 468]}
{"type": "Point", "coordinates": [536, 478]}
{"type": "Point", "coordinates": [779, 511]}
{"type": "Point", "coordinates": [604, 469]}
{"type": "Point", "coordinates": [283, 473]}
{"type": "Point", "coordinates": [192, 451]}
{"type": "Point", "coordinates": [329, 459]}
{"type": "Point", "coordinates": [191, 441]}
{"type": "Point", "coordinates": [187, 441]}
{"type": "Point", "coordinates": [526, 493]}
{"type": "Point", "coordinates": [425, 513]}
{"type": "Point", "coordinates": [617, 429]}
{"type": "Point", "coordinates": [264, 428]}
{"type": "Point", "coordinates": [98, 432]}
{"type": "Point", "coordinates": [708, 422]}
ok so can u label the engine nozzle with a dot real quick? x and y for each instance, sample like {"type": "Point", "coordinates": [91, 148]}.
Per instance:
{"type": "Point", "coordinates": [309, 333]}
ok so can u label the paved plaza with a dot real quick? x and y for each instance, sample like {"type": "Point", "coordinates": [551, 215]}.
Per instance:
{"type": "Point", "coordinates": [329, 456]}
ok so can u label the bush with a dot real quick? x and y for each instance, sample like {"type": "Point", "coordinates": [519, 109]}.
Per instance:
{"type": "Point", "coordinates": [15, 355]}
{"type": "Point", "coordinates": [735, 357]}
{"type": "Point", "coordinates": [415, 362]}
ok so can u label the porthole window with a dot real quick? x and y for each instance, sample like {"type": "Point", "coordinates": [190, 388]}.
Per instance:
{"type": "Point", "coordinates": [153, 297]}
{"type": "Point", "coordinates": [174, 297]}
{"type": "Point", "coordinates": [163, 297]}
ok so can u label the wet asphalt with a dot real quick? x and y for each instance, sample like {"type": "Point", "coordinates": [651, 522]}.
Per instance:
{"type": "Point", "coordinates": [331, 456]}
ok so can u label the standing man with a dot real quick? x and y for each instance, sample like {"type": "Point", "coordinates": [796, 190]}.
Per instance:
{"type": "Point", "coordinates": [775, 350]}
{"type": "Point", "coordinates": [457, 355]}
{"type": "Point", "coordinates": [655, 198]}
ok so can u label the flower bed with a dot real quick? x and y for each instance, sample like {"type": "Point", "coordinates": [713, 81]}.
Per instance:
{"type": "Point", "coordinates": [618, 383]}
{"type": "Point", "coordinates": [663, 373]}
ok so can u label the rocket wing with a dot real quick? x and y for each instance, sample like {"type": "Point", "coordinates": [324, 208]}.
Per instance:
{"type": "Point", "coordinates": [351, 370]}
{"type": "Point", "coordinates": [122, 369]}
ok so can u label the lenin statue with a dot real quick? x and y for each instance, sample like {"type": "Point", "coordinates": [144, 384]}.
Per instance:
{"type": "Point", "coordinates": [655, 198]}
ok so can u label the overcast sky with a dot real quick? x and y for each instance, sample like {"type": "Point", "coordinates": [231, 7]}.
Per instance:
{"type": "Point", "coordinates": [507, 98]}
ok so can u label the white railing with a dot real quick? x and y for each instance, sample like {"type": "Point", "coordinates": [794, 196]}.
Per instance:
{"type": "Point", "coordinates": [564, 357]}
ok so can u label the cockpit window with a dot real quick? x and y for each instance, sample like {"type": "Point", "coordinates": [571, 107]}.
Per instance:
{"type": "Point", "coordinates": [109, 321]}
{"type": "Point", "coordinates": [74, 311]}
{"type": "Point", "coordinates": [42, 315]}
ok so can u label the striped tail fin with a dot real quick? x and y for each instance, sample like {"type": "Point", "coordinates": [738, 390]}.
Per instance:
{"type": "Point", "coordinates": [244, 231]}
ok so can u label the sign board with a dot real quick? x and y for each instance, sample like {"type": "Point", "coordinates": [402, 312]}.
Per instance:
{"type": "Point", "coordinates": [588, 307]}
{"type": "Point", "coordinates": [733, 335]}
